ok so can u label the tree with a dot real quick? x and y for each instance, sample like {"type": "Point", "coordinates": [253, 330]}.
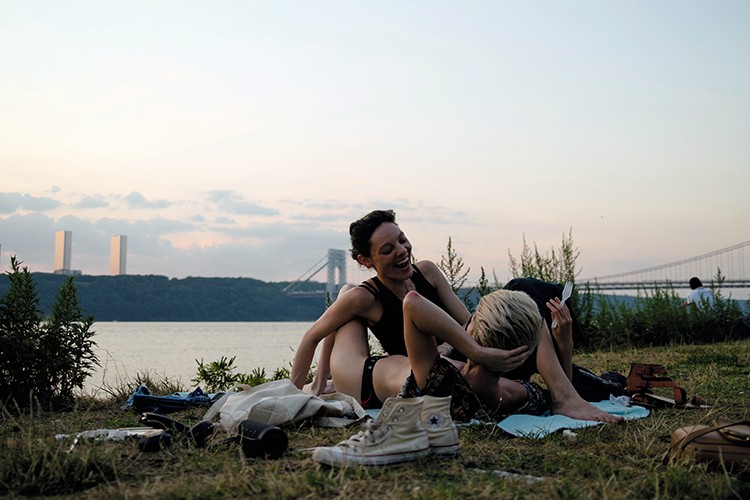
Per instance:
{"type": "Point", "coordinates": [20, 318]}
{"type": "Point", "coordinates": [452, 266]}
{"type": "Point", "coordinates": [40, 360]}
{"type": "Point", "coordinates": [66, 347]}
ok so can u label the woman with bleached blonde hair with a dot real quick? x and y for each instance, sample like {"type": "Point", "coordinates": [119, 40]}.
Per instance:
{"type": "Point", "coordinates": [505, 320]}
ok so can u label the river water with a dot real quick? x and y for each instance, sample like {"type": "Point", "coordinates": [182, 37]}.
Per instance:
{"type": "Point", "coordinates": [170, 349]}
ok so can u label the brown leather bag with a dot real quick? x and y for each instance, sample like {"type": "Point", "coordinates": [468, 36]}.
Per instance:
{"type": "Point", "coordinates": [644, 377]}
{"type": "Point", "coordinates": [726, 442]}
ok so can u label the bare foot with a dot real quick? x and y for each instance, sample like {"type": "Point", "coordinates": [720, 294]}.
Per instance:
{"type": "Point", "coordinates": [330, 388]}
{"type": "Point", "coordinates": [577, 408]}
{"type": "Point", "coordinates": [315, 389]}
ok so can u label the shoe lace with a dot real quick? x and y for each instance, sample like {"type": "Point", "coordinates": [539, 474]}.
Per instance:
{"type": "Point", "coordinates": [371, 432]}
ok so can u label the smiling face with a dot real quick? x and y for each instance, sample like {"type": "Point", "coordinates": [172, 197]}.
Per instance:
{"type": "Point", "coordinates": [390, 253]}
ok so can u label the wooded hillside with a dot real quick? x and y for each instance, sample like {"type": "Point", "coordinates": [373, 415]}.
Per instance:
{"type": "Point", "coordinates": [158, 298]}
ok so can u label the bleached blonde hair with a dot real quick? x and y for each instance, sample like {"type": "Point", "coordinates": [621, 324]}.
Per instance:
{"type": "Point", "coordinates": [507, 319]}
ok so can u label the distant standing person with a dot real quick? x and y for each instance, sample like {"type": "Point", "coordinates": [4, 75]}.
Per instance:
{"type": "Point", "coordinates": [698, 294]}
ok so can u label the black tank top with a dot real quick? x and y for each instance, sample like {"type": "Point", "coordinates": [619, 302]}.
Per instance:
{"type": "Point", "coordinates": [389, 329]}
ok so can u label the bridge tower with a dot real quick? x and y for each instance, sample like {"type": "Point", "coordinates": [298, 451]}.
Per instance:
{"type": "Point", "coordinates": [336, 262]}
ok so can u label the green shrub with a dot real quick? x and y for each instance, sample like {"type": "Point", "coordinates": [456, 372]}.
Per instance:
{"type": "Point", "coordinates": [256, 377]}
{"type": "Point", "coordinates": [218, 376]}
{"type": "Point", "coordinates": [42, 359]}
{"type": "Point", "coordinates": [656, 317]}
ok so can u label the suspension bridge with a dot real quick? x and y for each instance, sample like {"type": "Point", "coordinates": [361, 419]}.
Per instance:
{"type": "Point", "coordinates": [733, 262]}
{"type": "Point", "coordinates": [335, 264]}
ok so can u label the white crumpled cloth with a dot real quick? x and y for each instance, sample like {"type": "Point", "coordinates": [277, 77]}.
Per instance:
{"type": "Point", "coordinates": [280, 402]}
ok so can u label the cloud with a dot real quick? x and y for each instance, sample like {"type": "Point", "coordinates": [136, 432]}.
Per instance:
{"type": "Point", "coordinates": [233, 202]}
{"type": "Point", "coordinates": [214, 243]}
{"type": "Point", "coordinates": [29, 237]}
{"type": "Point", "coordinates": [137, 200]}
{"type": "Point", "coordinates": [339, 213]}
{"type": "Point", "coordinates": [92, 201]}
{"type": "Point", "coordinates": [277, 253]}
{"type": "Point", "coordinates": [223, 220]}
{"type": "Point", "coordinates": [12, 202]}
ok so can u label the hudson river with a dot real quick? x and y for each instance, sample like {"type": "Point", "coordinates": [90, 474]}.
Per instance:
{"type": "Point", "coordinates": [170, 350]}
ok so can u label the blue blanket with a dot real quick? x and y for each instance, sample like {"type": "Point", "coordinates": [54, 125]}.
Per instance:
{"type": "Point", "coordinates": [533, 426]}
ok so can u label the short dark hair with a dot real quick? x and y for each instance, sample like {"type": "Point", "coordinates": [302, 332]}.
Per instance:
{"type": "Point", "coordinates": [695, 283]}
{"type": "Point", "coordinates": [360, 231]}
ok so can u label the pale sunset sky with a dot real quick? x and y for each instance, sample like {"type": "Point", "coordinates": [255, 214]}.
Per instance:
{"type": "Point", "coordinates": [240, 138]}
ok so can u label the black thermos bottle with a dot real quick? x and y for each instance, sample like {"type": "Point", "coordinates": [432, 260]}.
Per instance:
{"type": "Point", "coordinates": [261, 440]}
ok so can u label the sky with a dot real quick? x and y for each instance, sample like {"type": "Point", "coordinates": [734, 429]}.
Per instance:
{"type": "Point", "coordinates": [240, 138]}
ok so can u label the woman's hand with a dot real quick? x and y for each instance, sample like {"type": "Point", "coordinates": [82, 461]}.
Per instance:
{"type": "Point", "coordinates": [501, 360]}
{"type": "Point", "coordinates": [319, 386]}
{"type": "Point", "coordinates": [562, 321]}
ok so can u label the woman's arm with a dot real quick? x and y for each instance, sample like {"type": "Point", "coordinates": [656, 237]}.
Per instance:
{"type": "Point", "coordinates": [422, 317]}
{"type": "Point", "coordinates": [349, 305]}
{"type": "Point", "coordinates": [455, 307]}
{"type": "Point", "coordinates": [322, 374]}
{"type": "Point", "coordinates": [563, 333]}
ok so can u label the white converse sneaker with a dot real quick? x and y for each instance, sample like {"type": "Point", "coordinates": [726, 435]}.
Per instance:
{"type": "Point", "coordinates": [396, 435]}
{"type": "Point", "coordinates": [437, 422]}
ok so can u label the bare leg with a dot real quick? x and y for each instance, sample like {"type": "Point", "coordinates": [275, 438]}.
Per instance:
{"type": "Point", "coordinates": [389, 375]}
{"type": "Point", "coordinates": [565, 399]}
{"type": "Point", "coordinates": [502, 395]}
{"type": "Point", "coordinates": [321, 383]}
{"type": "Point", "coordinates": [420, 345]}
{"type": "Point", "coordinates": [347, 358]}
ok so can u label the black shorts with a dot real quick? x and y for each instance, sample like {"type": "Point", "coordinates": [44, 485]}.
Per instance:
{"type": "Point", "coordinates": [368, 397]}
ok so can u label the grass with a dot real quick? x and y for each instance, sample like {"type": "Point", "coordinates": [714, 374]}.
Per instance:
{"type": "Point", "coordinates": [610, 461]}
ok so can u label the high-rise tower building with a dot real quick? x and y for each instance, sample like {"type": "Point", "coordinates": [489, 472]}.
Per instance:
{"type": "Point", "coordinates": [118, 254]}
{"type": "Point", "coordinates": [63, 247]}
